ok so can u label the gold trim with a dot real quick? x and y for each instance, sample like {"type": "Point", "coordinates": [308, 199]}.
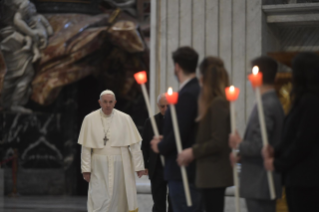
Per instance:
{"type": "Point", "coordinates": [136, 210]}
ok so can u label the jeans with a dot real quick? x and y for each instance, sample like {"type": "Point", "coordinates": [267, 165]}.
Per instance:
{"type": "Point", "coordinates": [178, 198]}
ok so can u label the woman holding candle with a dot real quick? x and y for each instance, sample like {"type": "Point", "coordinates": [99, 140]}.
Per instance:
{"type": "Point", "coordinates": [297, 156]}
{"type": "Point", "coordinates": [214, 172]}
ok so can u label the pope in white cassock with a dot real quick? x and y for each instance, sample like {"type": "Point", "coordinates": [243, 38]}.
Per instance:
{"type": "Point", "coordinates": [110, 156]}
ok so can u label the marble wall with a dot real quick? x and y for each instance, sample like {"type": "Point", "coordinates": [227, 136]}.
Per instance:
{"type": "Point", "coordinates": [45, 150]}
{"type": "Point", "coordinates": [230, 29]}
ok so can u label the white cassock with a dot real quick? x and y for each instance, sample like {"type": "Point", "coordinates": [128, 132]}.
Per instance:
{"type": "Point", "coordinates": [112, 186]}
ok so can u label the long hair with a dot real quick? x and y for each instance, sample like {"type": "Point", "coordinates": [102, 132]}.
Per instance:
{"type": "Point", "coordinates": [215, 80]}
{"type": "Point", "coordinates": [305, 75]}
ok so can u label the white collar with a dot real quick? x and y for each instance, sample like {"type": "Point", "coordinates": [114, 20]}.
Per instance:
{"type": "Point", "coordinates": [181, 86]}
{"type": "Point", "coordinates": [106, 116]}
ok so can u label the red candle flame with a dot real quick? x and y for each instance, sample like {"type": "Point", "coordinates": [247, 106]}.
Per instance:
{"type": "Point", "coordinates": [232, 93]}
{"type": "Point", "coordinates": [172, 97]}
{"type": "Point", "coordinates": [256, 78]}
{"type": "Point", "coordinates": [141, 77]}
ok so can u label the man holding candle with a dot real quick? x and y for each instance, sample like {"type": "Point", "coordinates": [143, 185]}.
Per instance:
{"type": "Point", "coordinates": [253, 178]}
{"type": "Point", "coordinates": [185, 64]}
{"type": "Point", "coordinates": [153, 161]}
{"type": "Point", "coordinates": [110, 155]}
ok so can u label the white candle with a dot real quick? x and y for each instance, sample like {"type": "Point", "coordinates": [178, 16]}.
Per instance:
{"type": "Point", "coordinates": [265, 140]}
{"type": "Point", "coordinates": [232, 95]}
{"type": "Point", "coordinates": [179, 150]}
{"type": "Point", "coordinates": [235, 174]}
{"type": "Point", "coordinates": [153, 123]}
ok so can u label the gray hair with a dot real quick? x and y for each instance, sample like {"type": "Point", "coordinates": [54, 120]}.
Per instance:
{"type": "Point", "coordinates": [107, 92]}
{"type": "Point", "coordinates": [159, 97]}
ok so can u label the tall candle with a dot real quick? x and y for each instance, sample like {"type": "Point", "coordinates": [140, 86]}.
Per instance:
{"type": "Point", "coordinates": [141, 78]}
{"type": "Point", "coordinates": [256, 81]}
{"type": "Point", "coordinates": [172, 98]}
{"type": "Point", "coordinates": [232, 94]}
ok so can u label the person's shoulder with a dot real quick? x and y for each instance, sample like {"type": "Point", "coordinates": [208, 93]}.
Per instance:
{"type": "Point", "coordinates": [121, 114]}
{"type": "Point", "coordinates": [191, 89]}
{"type": "Point", "coordinates": [194, 84]}
{"type": "Point", "coordinates": [271, 100]}
{"type": "Point", "coordinates": [220, 102]}
{"type": "Point", "coordinates": [92, 114]}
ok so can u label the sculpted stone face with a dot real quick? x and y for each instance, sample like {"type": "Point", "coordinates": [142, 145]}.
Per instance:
{"type": "Point", "coordinates": [107, 103]}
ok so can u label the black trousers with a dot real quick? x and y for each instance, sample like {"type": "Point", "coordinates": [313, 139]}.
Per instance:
{"type": "Point", "coordinates": [213, 199]}
{"type": "Point", "coordinates": [303, 199]}
{"type": "Point", "coordinates": [159, 192]}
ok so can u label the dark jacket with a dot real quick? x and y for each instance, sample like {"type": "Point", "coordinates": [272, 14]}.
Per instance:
{"type": "Point", "coordinates": [151, 159]}
{"type": "Point", "coordinates": [186, 110]}
{"type": "Point", "coordinates": [211, 150]}
{"type": "Point", "coordinates": [253, 176]}
{"type": "Point", "coordinates": [297, 156]}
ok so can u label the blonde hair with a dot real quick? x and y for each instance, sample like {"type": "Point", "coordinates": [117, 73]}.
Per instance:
{"type": "Point", "coordinates": [215, 80]}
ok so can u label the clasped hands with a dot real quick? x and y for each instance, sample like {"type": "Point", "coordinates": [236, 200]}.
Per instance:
{"type": "Point", "coordinates": [267, 152]}
{"type": "Point", "coordinates": [184, 158]}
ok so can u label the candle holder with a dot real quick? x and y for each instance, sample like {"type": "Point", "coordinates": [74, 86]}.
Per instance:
{"type": "Point", "coordinates": [141, 78]}
{"type": "Point", "coordinates": [172, 99]}
{"type": "Point", "coordinates": [232, 94]}
{"type": "Point", "coordinates": [256, 79]}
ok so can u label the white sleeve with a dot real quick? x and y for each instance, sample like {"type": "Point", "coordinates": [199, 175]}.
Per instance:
{"type": "Point", "coordinates": [137, 157]}
{"type": "Point", "coordinates": [86, 159]}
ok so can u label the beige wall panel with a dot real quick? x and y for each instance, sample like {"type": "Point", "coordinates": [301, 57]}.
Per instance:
{"type": "Point", "coordinates": [199, 24]}
{"type": "Point", "coordinates": [173, 40]}
{"type": "Point", "coordinates": [238, 77]}
{"type": "Point", "coordinates": [225, 33]}
{"type": "Point", "coordinates": [212, 27]}
{"type": "Point", "coordinates": [253, 45]}
{"type": "Point", "coordinates": [186, 14]}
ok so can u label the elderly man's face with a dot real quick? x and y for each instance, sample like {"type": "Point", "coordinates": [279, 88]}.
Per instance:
{"type": "Point", "coordinates": [162, 105]}
{"type": "Point", "coordinates": [107, 103]}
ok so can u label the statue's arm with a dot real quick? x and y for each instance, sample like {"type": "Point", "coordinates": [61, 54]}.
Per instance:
{"type": "Point", "coordinates": [22, 25]}
{"type": "Point", "coordinates": [47, 25]}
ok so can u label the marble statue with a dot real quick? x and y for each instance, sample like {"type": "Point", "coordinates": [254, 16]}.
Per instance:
{"type": "Point", "coordinates": [20, 45]}
{"type": "Point", "coordinates": [34, 25]}
{"type": "Point", "coordinates": [72, 53]}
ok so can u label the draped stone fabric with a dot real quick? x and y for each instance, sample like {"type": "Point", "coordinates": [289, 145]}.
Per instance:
{"type": "Point", "coordinates": [69, 54]}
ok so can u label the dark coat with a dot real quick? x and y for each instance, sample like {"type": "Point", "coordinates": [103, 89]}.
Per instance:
{"type": "Point", "coordinates": [253, 176]}
{"type": "Point", "coordinates": [211, 149]}
{"type": "Point", "coordinates": [186, 110]}
{"type": "Point", "coordinates": [297, 156]}
{"type": "Point", "coordinates": [151, 159]}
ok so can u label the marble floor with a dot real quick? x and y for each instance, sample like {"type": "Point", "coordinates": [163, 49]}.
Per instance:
{"type": "Point", "coordinates": [76, 204]}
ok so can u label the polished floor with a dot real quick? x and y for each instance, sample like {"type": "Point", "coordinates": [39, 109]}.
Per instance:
{"type": "Point", "coordinates": [75, 204]}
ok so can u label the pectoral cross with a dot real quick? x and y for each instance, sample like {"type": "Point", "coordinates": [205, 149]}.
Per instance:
{"type": "Point", "coordinates": [105, 140]}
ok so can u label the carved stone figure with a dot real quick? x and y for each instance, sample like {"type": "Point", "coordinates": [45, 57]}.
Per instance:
{"type": "Point", "coordinates": [108, 46]}
{"type": "Point", "coordinates": [20, 43]}
{"type": "Point", "coordinates": [27, 21]}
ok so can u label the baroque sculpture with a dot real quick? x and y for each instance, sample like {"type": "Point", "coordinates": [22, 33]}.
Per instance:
{"type": "Point", "coordinates": [108, 45]}
{"type": "Point", "coordinates": [21, 40]}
